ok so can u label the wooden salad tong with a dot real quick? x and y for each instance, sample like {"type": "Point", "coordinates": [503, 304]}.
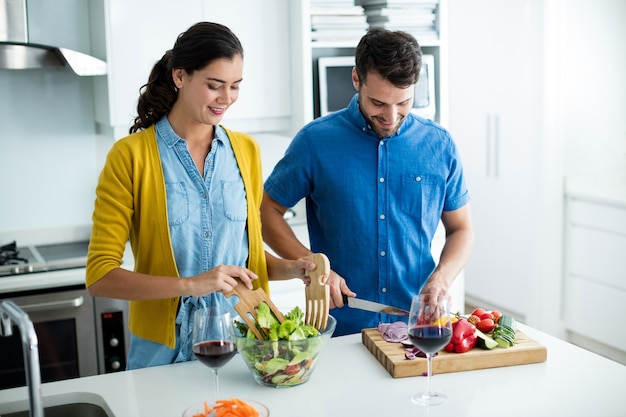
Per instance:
{"type": "Point", "coordinates": [248, 302]}
{"type": "Point", "coordinates": [317, 293]}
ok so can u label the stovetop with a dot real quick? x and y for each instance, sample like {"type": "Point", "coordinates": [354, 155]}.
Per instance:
{"type": "Point", "coordinates": [16, 260]}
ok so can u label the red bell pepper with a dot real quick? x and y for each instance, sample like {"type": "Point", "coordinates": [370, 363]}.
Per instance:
{"type": "Point", "coordinates": [463, 337]}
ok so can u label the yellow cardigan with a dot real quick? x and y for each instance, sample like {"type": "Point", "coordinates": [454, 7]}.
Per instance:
{"type": "Point", "coordinates": [131, 204]}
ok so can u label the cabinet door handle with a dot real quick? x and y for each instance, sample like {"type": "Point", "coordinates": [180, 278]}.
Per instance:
{"type": "Point", "coordinates": [493, 146]}
{"type": "Point", "coordinates": [488, 147]}
{"type": "Point", "coordinates": [496, 145]}
{"type": "Point", "coordinates": [74, 302]}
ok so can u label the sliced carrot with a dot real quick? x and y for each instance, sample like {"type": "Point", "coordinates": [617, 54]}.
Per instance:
{"type": "Point", "coordinates": [233, 408]}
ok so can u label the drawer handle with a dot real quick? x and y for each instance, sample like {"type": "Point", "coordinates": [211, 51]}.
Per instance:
{"type": "Point", "coordinates": [54, 305]}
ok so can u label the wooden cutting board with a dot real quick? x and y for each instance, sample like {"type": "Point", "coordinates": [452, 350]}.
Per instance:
{"type": "Point", "coordinates": [391, 356]}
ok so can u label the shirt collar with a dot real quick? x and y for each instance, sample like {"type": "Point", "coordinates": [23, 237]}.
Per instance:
{"type": "Point", "coordinates": [359, 120]}
{"type": "Point", "coordinates": [167, 134]}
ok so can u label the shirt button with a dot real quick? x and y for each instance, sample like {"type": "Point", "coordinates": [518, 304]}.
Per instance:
{"type": "Point", "coordinates": [381, 179]}
{"type": "Point", "coordinates": [206, 234]}
{"type": "Point", "coordinates": [204, 195]}
{"type": "Point", "coordinates": [382, 217]}
{"type": "Point", "coordinates": [418, 179]}
{"type": "Point", "coordinates": [383, 290]}
{"type": "Point", "coordinates": [382, 253]}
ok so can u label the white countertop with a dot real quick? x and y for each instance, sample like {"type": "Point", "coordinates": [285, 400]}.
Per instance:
{"type": "Point", "coordinates": [349, 381]}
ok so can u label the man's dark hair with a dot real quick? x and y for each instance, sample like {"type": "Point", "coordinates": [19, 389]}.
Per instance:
{"type": "Point", "coordinates": [394, 55]}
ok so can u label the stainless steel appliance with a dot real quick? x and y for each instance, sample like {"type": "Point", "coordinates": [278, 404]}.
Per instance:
{"type": "Point", "coordinates": [15, 260]}
{"type": "Point", "coordinates": [79, 335]}
{"type": "Point", "coordinates": [17, 52]}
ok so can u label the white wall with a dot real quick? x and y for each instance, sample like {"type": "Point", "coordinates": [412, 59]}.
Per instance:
{"type": "Point", "coordinates": [47, 157]}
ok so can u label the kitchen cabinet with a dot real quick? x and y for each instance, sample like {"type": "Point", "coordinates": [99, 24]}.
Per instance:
{"type": "Point", "coordinates": [497, 100]}
{"type": "Point", "coordinates": [595, 277]}
{"type": "Point", "coordinates": [264, 102]}
{"type": "Point", "coordinates": [139, 32]}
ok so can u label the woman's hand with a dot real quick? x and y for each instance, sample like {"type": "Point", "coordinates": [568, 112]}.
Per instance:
{"type": "Point", "coordinates": [222, 278]}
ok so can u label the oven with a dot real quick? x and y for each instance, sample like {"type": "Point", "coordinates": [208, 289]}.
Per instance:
{"type": "Point", "coordinates": [78, 335]}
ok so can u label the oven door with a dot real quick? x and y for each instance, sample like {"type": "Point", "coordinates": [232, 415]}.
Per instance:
{"type": "Point", "coordinates": [64, 322]}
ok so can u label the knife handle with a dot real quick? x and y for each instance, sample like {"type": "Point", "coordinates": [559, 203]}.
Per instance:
{"type": "Point", "coordinates": [345, 299]}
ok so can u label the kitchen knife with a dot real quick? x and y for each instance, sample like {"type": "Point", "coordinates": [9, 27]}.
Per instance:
{"type": "Point", "coordinates": [353, 302]}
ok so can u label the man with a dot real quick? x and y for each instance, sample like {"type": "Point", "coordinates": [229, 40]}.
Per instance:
{"type": "Point", "coordinates": [377, 181]}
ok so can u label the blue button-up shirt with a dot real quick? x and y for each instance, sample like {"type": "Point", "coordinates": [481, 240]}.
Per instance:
{"type": "Point", "coordinates": [373, 204]}
{"type": "Point", "coordinates": [207, 223]}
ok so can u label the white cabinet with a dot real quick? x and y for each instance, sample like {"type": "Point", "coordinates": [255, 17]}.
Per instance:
{"type": "Point", "coordinates": [496, 117]}
{"type": "Point", "coordinates": [139, 32]}
{"type": "Point", "coordinates": [595, 268]}
{"type": "Point", "coordinates": [137, 35]}
{"type": "Point", "coordinates": [264, 102]}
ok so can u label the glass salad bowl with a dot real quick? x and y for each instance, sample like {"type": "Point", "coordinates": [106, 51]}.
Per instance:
{"type": "Point", "coordinates": [283, 363]}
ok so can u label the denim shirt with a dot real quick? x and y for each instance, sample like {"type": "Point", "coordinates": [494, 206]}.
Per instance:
{"type": "Point", "coordinates": [207, 223]}
{"type": "Point", "coordinates": [373, 204]}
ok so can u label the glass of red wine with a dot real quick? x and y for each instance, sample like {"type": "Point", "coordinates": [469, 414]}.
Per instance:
{"type": "Point", "coordinates": [213, 339]}
{"type": "Point", "coordinates": [430, 330]}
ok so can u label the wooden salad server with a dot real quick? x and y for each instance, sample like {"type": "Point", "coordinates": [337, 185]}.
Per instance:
{"type": "Point", "coordinates": [317, 293]}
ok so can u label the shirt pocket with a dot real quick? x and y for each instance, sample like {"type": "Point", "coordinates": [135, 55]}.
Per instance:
{"type": "Point", "coordinates": [177, 203]}
{"type": "Point", "coordinates": [421, 195]}
{"type": "Point", "coordinates": [234, 198]}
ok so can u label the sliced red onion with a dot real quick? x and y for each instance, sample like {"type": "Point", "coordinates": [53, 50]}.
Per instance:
{"type": "Point", "coordinates": [394, 332]}
{"type": "Point", "coordinates": [413, 353]}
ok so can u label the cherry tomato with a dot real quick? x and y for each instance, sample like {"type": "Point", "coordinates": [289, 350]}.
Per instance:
{"type": "Point", "coordinates": [473, 319]}
{"type": "Point", "coordinates": [486, 316]}
{"type": "Point", "coordinates": [478, 311]}
{"type": "Point", "coordinates": [496, 315]}
{"type": "Point", "coordinates": [486, 325]}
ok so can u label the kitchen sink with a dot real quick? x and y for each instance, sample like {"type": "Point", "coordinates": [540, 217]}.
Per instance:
{"type": "Point", "coordinates": [67, 410]}
{"type": "Point", "coordinates": [73, 404]}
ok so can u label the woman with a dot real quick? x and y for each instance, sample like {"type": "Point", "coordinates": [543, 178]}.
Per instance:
{"type": "Point", "coordinates": [186, 192]}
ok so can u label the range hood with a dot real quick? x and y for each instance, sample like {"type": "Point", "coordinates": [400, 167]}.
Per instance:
{"type": "Point", "coordinates": [17, 53]}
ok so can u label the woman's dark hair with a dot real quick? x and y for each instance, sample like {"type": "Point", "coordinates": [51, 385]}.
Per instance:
{"type": "Point", "coordinates": [394, 55]}
{"type": "Point", "coordinates": [194, 49]}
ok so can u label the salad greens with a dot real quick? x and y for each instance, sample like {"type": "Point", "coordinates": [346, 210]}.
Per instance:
{"type": "Point", "coordinates": [287, 356]}
{"type": "Point", "coordinates": [293, 328]}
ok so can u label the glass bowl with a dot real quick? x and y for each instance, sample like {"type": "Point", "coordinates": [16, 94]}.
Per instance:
{"type": "Point", "coordinates": [199, 409]}
{"type": "Point", "coordinates": [284, 363]}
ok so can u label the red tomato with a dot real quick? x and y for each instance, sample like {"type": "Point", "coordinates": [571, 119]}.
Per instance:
{"type": "Point", "coordinates": [292, 369]}
{"type": "Point", "coordinates": [478, 311]}
{"type": "Point", "coordinates": [473, 319]}
{"type": "Point", "coordinates": [486, 316]}
{"type": "Point", "coordinates": [486, 325]}
{"type": "Point", "coordinates": [496, 315]}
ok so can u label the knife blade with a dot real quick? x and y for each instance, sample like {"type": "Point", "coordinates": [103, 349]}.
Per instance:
{"type": "Point", "coordinates": [361, 304]}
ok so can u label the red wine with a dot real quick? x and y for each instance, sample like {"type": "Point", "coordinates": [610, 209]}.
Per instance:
{"type": "Point", "coordinates": [430, 339]}
{"type": "Point", "coordinates": [214, 353]}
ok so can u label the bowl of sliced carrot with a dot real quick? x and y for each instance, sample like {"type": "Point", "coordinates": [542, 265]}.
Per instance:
{"type": "Point", "coordinates": [233, 407]}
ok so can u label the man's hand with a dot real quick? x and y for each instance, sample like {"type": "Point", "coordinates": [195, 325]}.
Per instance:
{"type": "Point", "coordinates": [338, 287]}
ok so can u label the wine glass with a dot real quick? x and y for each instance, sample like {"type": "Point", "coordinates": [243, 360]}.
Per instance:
{"type": "Point", "coordinates": [213, 339]}
{"type": "Point", "coordinates": [430, 329]}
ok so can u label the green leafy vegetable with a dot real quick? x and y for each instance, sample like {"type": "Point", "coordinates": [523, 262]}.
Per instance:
{"type": "Point", "coordinates": [287, 356]}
